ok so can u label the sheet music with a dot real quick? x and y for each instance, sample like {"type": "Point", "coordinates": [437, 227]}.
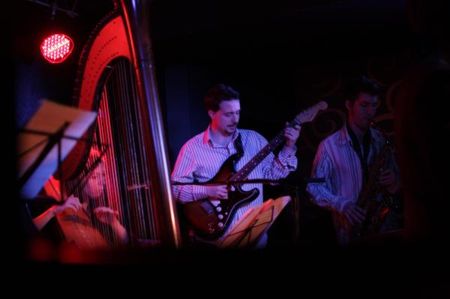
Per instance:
{"type": "Point", "coordinates": [49, 118]}
{"type": "Point", "coordinates": [254, 223]}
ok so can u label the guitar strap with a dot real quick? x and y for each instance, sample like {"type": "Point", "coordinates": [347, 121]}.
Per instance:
{"type": "Point", "coordinates": [239, 150]}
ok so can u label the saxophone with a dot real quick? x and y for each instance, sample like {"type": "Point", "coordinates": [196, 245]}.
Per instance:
{"type": "Point", "coordinates": [368, 200]}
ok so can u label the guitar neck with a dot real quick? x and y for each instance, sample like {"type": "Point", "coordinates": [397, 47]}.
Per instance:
{"type": "Point", "coordinates": [305, 116]}
{"type": "Point", "coordinates": [266, 150]}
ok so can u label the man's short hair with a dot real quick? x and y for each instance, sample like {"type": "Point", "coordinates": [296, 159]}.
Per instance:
{"type": "Point", "coordinates": [358, 85]}
{"type": "Point", "coordinates": [217, 94]}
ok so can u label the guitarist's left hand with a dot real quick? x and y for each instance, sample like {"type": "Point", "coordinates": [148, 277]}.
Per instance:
{"type": "Point", "coordinates": [291, 135]}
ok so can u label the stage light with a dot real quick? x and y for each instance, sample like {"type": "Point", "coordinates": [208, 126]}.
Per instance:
{"type": "Point", "coordinates": [56, 47]}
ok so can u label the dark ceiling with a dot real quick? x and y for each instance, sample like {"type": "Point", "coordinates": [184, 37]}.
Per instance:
{"type": "Point", "coordinates": [233, 33]}
{"type": "Point", "coordinates": [257, 20]}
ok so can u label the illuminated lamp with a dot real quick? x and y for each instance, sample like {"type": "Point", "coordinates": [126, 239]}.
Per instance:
{"type": "Point", "coordinates": [56, 47]}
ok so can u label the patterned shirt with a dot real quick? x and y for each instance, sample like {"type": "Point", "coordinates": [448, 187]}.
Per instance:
{"type": "Point", "coordinates": [338, 163]}
{"type": "Point", "coordinates": [200, 159]}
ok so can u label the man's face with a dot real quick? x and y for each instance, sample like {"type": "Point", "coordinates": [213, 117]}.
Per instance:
{"type": "Point", "coordinates": [362, 110]}
{"type": "Point", "coordinates": [226, 119]}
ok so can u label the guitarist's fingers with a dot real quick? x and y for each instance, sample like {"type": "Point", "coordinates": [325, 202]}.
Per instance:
{"type": "Point", "coordinates": [296, 126]}
{"type": "Point", "coordinates": [222, 192]}
{"type": "Point", "coordinates": [219, 192]}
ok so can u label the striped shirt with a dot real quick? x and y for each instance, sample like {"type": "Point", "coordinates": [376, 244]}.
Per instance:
{"type": "Point", "coordinates": [338, 163]}
{"type": "Point", "coordinates": [200, 159]}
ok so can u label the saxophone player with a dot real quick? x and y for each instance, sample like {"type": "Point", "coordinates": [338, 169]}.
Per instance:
{"type": "Point", "coordinates": [344, 158]}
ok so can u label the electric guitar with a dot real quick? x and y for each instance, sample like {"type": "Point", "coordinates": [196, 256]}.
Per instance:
{"type": "Point", "coordinates": [209, 221]}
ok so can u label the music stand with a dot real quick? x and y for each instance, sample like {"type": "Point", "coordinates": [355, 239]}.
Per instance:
{"type": "Point", "coordinates": [46, 141]}
{"type": "Point", "coordinates": [253, 224]}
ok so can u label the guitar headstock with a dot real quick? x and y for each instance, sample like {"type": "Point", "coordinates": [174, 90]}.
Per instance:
{"type": "Point", "coordinates": [310, 113]}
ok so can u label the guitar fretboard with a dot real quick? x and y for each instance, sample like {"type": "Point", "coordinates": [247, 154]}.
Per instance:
{"type": "Point", "coordinates": [303, 117]}
{"type": "Point", "coordinates": [245, 171]}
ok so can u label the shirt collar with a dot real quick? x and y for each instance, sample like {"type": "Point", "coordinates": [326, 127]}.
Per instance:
{"type": "Point", "coordinates": [207, 136]}
{"type": "Point", "coordinates": [344, 136]}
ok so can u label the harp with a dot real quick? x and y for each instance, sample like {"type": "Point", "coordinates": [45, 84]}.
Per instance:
{"type": "Point", "coordinates": [116, 79]}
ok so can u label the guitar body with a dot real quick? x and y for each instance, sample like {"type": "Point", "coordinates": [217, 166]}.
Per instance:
{"type": "Point", "coordinates": [209, 221]}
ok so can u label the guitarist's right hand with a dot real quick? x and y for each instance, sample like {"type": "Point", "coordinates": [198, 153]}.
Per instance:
{"type": "Point", "coordinates": [217, 192]}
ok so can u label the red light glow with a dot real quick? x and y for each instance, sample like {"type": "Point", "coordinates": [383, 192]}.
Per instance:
{"type": "Point", "coordinates": [56, 48]}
